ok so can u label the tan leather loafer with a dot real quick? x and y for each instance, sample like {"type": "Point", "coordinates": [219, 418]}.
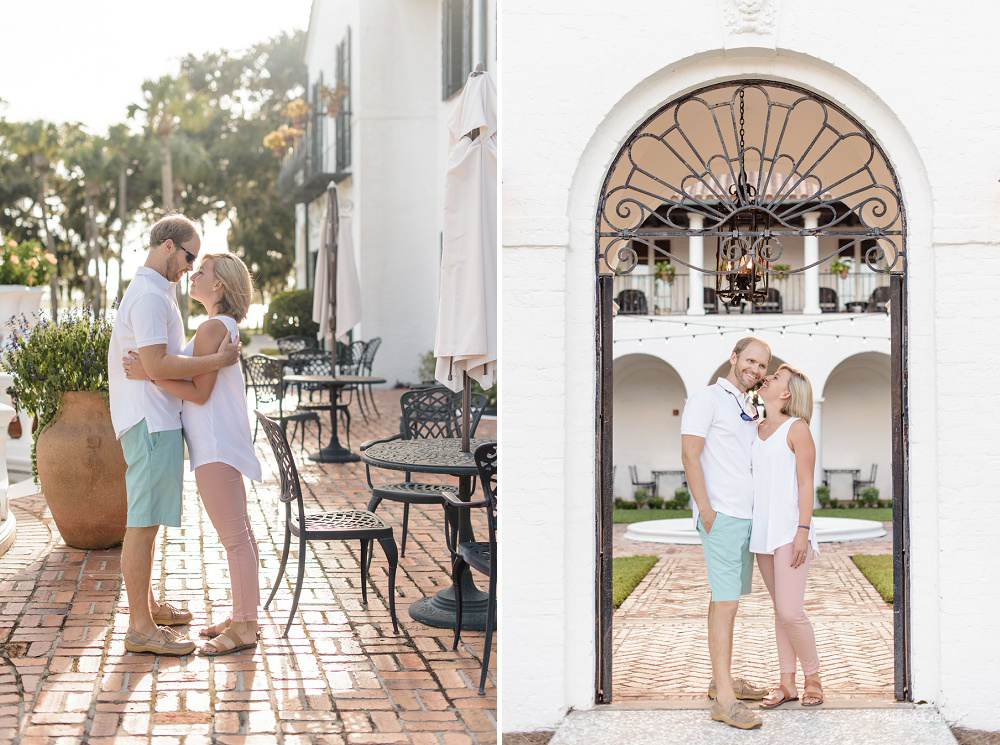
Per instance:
{"type": "Point", "coordinates": [744, 690]}
{"type": "Point", "coordinates": [161, 641]}
{"type": "Point", "coordinates": [737, 715]}
{"type": "Point", "coordinates": [170, 615]}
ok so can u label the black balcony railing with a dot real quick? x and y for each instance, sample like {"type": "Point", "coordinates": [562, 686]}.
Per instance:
{"type": "Point", "coordinates": [306, 170]}
{"type": "Point", "coordinates": [858, 292]}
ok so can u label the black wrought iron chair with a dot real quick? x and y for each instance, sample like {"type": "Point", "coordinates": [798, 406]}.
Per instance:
{"type": "Point", "coordinates": [879, 301]}
{"type": "Point", "coordinates": [772, 302]}
{"type": "Point", "coordinates": [319, 362]}
{"type": "Point", "coordinates": [266, 377]}
{"type": "Point", "coordinates": [632, 303]}
{"type": "Point", "coordinates": [860, 484]}
{"type": "Point", "coordinates": [649, 486]}
{"type": "Point", "coordinates": [428, 413]}
{"type": "Point", "coordinates": [339, 525]}
{"type": "Point", "coordinates": [289, 344]}
{"type": "Point", "coordinates": [367, 361]}
{"type": "Point", "coordinates": [478, 555]}
{"type": "Point", "coordinates": [710, 300]}
{"type": "Point", "coordinates": [353, 364]}
{"type": "Point", "coordinates": [828, 301]}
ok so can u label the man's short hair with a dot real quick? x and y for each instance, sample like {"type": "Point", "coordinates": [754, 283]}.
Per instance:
{"type": "Point", "coordinates": [746, 341]}
{"type": "Point", "coordinates": [176, 228]}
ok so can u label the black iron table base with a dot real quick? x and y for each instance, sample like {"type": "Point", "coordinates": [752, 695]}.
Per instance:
{"type": "Point", "coordinates": [442, 456]}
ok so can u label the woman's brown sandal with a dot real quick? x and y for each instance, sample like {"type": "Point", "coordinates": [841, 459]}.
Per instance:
{"type": "Point", "coordinates": [228, 642]}
{"type": "Point", "coordinates": [775, 703]}
{"type": "Point", "coordinates": [215, 629]}
{"type": "Point", "coordinates": [813, 693]}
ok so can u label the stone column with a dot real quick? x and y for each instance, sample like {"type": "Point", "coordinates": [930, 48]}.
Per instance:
{"type": "Point", "coordinates": [8, 526]}
{"type": "Point", "coordinates": [816, 427]}
{"type": "Point", "coordinates": [696, 257]}
{"type": "Point", "coordinates": [810, 305]}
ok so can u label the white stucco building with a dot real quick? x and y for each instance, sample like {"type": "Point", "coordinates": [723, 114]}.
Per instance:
{"type": "Point", "coordinates": [580, 79]}
{"type": "Point", "coordinates": [399, 66]}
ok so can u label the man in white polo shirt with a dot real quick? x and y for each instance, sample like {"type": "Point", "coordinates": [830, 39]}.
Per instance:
{"type": "Point", "coordinates": [717, 431]}
{"type": "Point", "coordinates": [147, 422]}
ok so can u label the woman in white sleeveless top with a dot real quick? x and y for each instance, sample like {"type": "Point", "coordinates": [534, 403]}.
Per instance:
{"type": "Point", "coordinates": [217, 431]}
{"type": "Point", "coordinates": [782, 534]}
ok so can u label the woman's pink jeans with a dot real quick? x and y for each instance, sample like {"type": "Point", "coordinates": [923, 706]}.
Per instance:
{"type": "Point", "coordinates": [792, 629]}
{"type": "Point", "coordinates": [225, 500]}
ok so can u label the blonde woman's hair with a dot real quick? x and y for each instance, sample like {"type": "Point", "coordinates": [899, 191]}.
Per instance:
{"type": "Point", "coordinates": [801, 402]}
{"type": "Point", "coordinates": [237, 284]}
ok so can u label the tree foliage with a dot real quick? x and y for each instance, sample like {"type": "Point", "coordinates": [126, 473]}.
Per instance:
{"type": "Point", "coordinates": [195, 137]}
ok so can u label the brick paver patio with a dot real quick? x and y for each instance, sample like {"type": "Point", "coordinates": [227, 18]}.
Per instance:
{"type": "Point", "coordinates": [340, 677]}
{"type": "Point", "coordinates": [660, 640]}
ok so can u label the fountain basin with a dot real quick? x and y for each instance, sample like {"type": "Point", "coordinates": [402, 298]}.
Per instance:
{"type": "Point", "coordinates": [681, 530]}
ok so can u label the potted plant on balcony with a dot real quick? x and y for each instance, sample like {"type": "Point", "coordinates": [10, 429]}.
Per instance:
{"type": "Point", "coordinates": [840, 267]}
{"type": "Point", "coordinates": [25, 269]}
{"type": "Point", "coordinates": [334, 98]}
{"type": "Point", "coordinates": [666, 271]}
{"type": "Point", "coordinates": [60, 373]}
{"type": "Point", "coordinates": [780, 270]}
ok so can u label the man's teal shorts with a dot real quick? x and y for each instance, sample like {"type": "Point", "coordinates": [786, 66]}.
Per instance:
{"type": "Point", "coordinates": [155, 475]}
{"type": "Point", "coordinates": [727, 557]}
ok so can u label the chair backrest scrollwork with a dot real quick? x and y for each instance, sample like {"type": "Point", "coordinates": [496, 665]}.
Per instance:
{"type": "Point", "coordinates": [434, 413]}
{"type": "Point", "coordinates": [264, 374]}
{"type": "Point", "coordinates": [291, 490]}
{"type": "Point", "coordinates": [486, 463]}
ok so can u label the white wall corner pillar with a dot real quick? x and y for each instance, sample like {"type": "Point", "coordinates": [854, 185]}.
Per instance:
{"type": "Point", "coordinates": [8, 526]}
{"type": "Point", "coordinates": [696, 257]}
{"type": "Point", "coordinates": [810, 305]}
{"type": "Point", "coordinates": [816, 427]}
{"type": "Point", "coordinates": [749, 27]}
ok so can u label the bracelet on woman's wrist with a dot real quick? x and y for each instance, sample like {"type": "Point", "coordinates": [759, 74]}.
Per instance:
{"type": "Point", "coordinates": [804, 527]}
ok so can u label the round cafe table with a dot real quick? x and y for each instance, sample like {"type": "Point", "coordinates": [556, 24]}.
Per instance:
{"type": "Point", "coordinates": [442, 456]}
{"type": "Point", "coordinates": [334, 452]}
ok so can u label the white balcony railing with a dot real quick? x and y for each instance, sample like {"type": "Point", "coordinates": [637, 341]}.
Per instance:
{"type": "Point", "coordinates": [857, 292]}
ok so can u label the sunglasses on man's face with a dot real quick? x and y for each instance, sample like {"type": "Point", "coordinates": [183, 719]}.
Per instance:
{"type": "Point", "coordinates": [190, 256]}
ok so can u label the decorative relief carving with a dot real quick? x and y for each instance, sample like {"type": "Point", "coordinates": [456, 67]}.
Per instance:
{"type": "Point", "coordinates": [750, 16]}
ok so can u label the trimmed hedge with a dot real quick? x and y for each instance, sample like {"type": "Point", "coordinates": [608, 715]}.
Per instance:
{"type": "Point", "coordinates": [290, 314]}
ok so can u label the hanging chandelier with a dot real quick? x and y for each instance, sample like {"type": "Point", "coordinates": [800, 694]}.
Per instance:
{"type": "Point", "coordinates": [745, 246]}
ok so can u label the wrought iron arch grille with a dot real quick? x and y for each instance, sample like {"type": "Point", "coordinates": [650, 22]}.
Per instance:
{"type": "Point", "coordinates": [750, 179]}
{"type": "Point", "coordinates": [689, 170]}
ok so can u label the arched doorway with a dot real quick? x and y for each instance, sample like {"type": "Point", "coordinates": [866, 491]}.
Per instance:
{"type": "Point", "coordinates": [741, 185]}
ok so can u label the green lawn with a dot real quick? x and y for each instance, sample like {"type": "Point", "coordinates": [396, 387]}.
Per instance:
{"type": "Point", "coordinates": [879, 514]}
{"type": "Point", "coordinates": [627, 573]}
{"type": "Point", "coordinates": [878, 570]}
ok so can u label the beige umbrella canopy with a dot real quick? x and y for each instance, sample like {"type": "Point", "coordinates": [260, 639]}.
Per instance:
{"type": "Point", "coordinates": [336, 290]}
{"type": "Point", "coordinates": [467, 315]}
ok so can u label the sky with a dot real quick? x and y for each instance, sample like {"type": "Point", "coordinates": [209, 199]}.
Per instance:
{"type": "Point", "coordinates": [67, 60]}
{"type": "Point", "coordinates": [85, 60]}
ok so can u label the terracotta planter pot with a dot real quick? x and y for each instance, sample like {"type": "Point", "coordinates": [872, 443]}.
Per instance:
{"type": "Point", "coordinates": [81, 469]}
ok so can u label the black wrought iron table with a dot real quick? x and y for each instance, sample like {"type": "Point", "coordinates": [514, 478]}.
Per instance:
{"type": "Point", "coordinates": [443, 456]}
{"type": "Point", "coordinates": [334, 452]}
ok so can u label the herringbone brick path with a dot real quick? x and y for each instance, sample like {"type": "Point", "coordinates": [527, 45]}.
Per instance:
{"type": "Point", "coordinates": [660, 641]}
{"type": "Point", "coordinates": [341, 676]}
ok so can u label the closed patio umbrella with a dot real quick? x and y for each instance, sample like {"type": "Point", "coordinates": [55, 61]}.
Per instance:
{"type": "Point", "coordinates": [336, 290]}
{"type": "Point", "coordinates": [466, 343]}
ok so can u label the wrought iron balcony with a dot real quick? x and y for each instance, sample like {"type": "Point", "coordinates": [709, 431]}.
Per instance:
{"type": "Point", "coordinates": [306, 170]}
{"type": "Point", "coordinates": [857, 292]}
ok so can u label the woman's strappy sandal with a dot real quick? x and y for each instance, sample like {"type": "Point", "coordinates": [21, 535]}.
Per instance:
{"type": "Point", "coordinates": [228, 642]}
{"type": "Point", "coordinates": [813, 693]}
{"type": "Point", "coordinates": [775, 703]}
{"type": "Point", "coordinates": [215, 629]}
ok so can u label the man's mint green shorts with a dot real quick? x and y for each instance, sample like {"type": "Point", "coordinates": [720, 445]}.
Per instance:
{"type": "Point", "coordinates": [155, 475]}
{"type": "Point", "coordinates": [727, 557]}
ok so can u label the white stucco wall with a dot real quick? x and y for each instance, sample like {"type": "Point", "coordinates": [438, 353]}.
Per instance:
{"type": "Point", "coordinates": [399, 150]}
{"type": "Point", "coordinates": [578, 79]}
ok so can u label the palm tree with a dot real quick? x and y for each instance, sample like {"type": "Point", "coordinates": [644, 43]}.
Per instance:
{"type": "Point", "coordinates": [124, 150]}
{"type": "Point", "coordinates": [169, 105]}
{"type": "Point", "coordinates": [40, 143]}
